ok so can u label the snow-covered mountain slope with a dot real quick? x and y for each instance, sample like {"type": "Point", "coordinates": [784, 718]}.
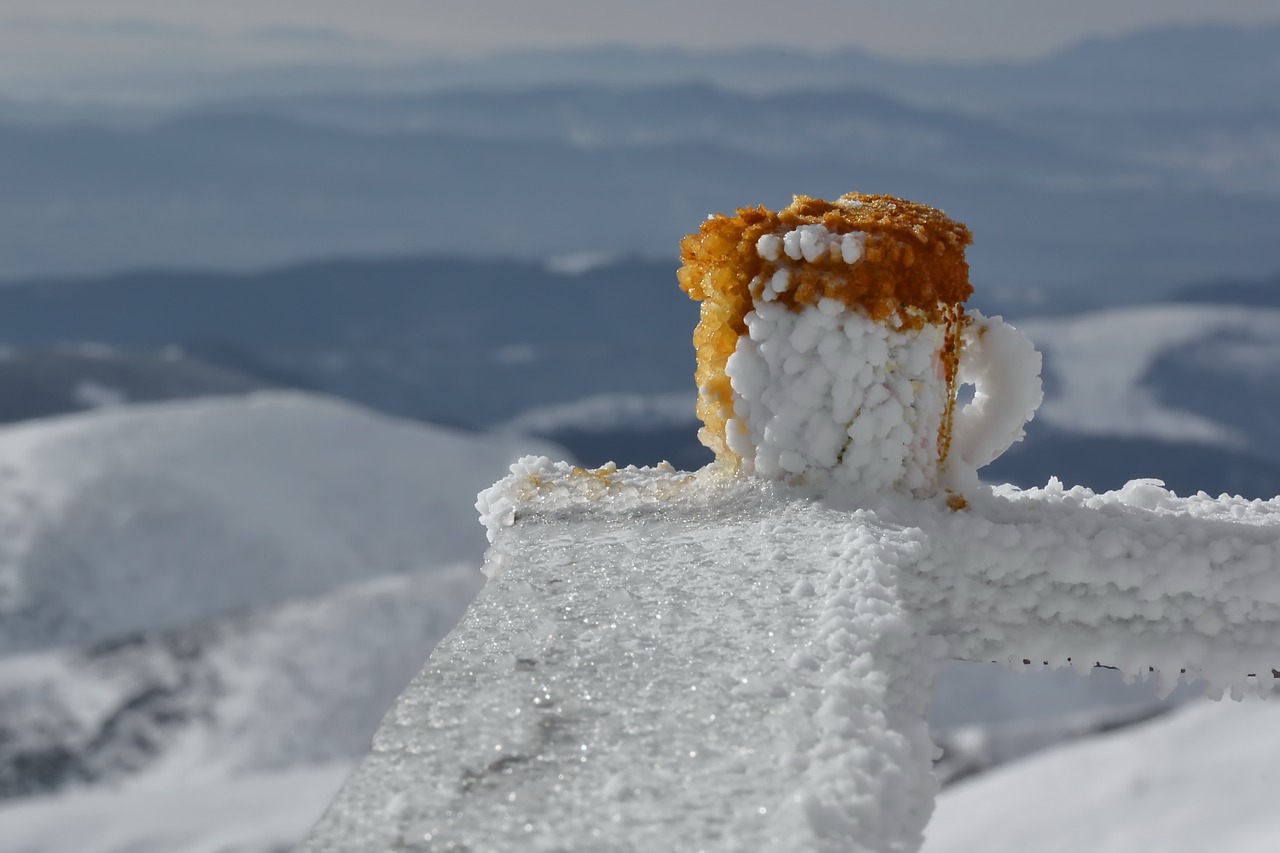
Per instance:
{"type": "Point", "coordinates": [1203, 778]}
{"type": "Point", "coordinates": [304, 683]}
{"type": "Point", "coordinates": [44, 381]}
{"type": "Point", "coordinates": [603, 412]}
{"type": "Point", "coordinates": [984, 715]}
{"type": "Point", "coordinates": [1123, 372]}
{"type": "Point", "coordinates": [155, 517]}
{"type": "Point", "coordinates": [624, 428]}
{"type": "Point", "coordinates": [201, 593]}
{"type": "Point", "coordinates": [209, 813]}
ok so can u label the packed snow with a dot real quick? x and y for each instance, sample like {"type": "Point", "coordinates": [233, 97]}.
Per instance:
{"type": "Point", "coordinates": [697, 662]}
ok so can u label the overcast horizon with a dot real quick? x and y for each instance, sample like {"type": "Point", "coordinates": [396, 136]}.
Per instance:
{"type": "Point", "coordinates": [80, 31]}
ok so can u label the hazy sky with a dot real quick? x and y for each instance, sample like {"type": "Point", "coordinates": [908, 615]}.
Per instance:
{"type": "Point", "coordinates": [920, 28]}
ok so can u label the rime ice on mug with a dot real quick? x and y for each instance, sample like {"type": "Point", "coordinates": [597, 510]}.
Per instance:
{"type": "Point", "coordinates": [832, 339]}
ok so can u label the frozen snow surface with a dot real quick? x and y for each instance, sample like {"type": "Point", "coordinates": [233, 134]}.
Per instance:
{"type": "Point", "coordinates": [748, 668]}
{"type": "Point", "coordinates": [210, 813]}
{"type": "Point", "coordinates": [1201, 779]}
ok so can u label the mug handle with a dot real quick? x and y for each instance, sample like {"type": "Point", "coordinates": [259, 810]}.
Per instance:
{"type": "Point", "coordinates": [1003, 366]}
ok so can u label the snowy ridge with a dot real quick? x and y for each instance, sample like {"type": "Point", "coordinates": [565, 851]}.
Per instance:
{"type": "Point", "coordinates": [606, 411]}
{"type": "Point", "coordinates": [158, 516]}
{"type": "Point", "coordinates": [751, 671]}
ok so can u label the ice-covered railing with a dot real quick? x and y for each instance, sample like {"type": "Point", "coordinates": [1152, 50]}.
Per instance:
{"type": "Point", "coordinates": [1139, 579]}
{"type": "Point", "coordinates": [742, 658]}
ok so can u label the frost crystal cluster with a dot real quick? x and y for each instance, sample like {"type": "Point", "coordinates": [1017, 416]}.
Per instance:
{"type": "Point", "coordinates": [829, 391]}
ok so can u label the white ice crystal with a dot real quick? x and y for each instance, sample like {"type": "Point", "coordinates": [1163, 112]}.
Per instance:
{"type": "Point", "coordinates": [809, 243]}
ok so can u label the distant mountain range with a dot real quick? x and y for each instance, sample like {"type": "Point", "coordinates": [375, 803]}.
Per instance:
{"type": "Point", "coordinates": [1203, 66]}
{"type": "Point", "coordinates": [1180, 390]}
{"type": "Point", "coordinates": [244, 191]}
{"type": "Point", "coordinates": [55, 379]}
{"type": "Point", "coordinates": [1079, 174]}
{"type": "Point", "coordinates": [448, 340]}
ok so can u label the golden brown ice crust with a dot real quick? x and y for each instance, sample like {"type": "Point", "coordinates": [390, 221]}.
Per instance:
{"type": "Point", "coordinates": [912, 266]}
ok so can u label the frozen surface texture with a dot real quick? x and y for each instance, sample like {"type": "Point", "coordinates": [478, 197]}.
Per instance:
{"type": "Point", "coordinates": [827, 392]}
{"type": "Point", "coordinates": [747, 667]}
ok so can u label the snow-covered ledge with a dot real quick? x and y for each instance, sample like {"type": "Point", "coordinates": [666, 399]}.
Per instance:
{"type": "Point", "coordinates": [741, 659]}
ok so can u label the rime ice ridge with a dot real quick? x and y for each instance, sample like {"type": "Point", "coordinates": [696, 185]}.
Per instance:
{"type": "Point", "coordinates": [747, 667]}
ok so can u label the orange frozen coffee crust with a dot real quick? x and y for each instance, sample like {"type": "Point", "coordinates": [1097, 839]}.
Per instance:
{"type": "Point", "coordinates": [909, 264]}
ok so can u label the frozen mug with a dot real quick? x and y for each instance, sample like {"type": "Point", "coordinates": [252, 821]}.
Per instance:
{"type": "Point", "coordinates": [832, 342]}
